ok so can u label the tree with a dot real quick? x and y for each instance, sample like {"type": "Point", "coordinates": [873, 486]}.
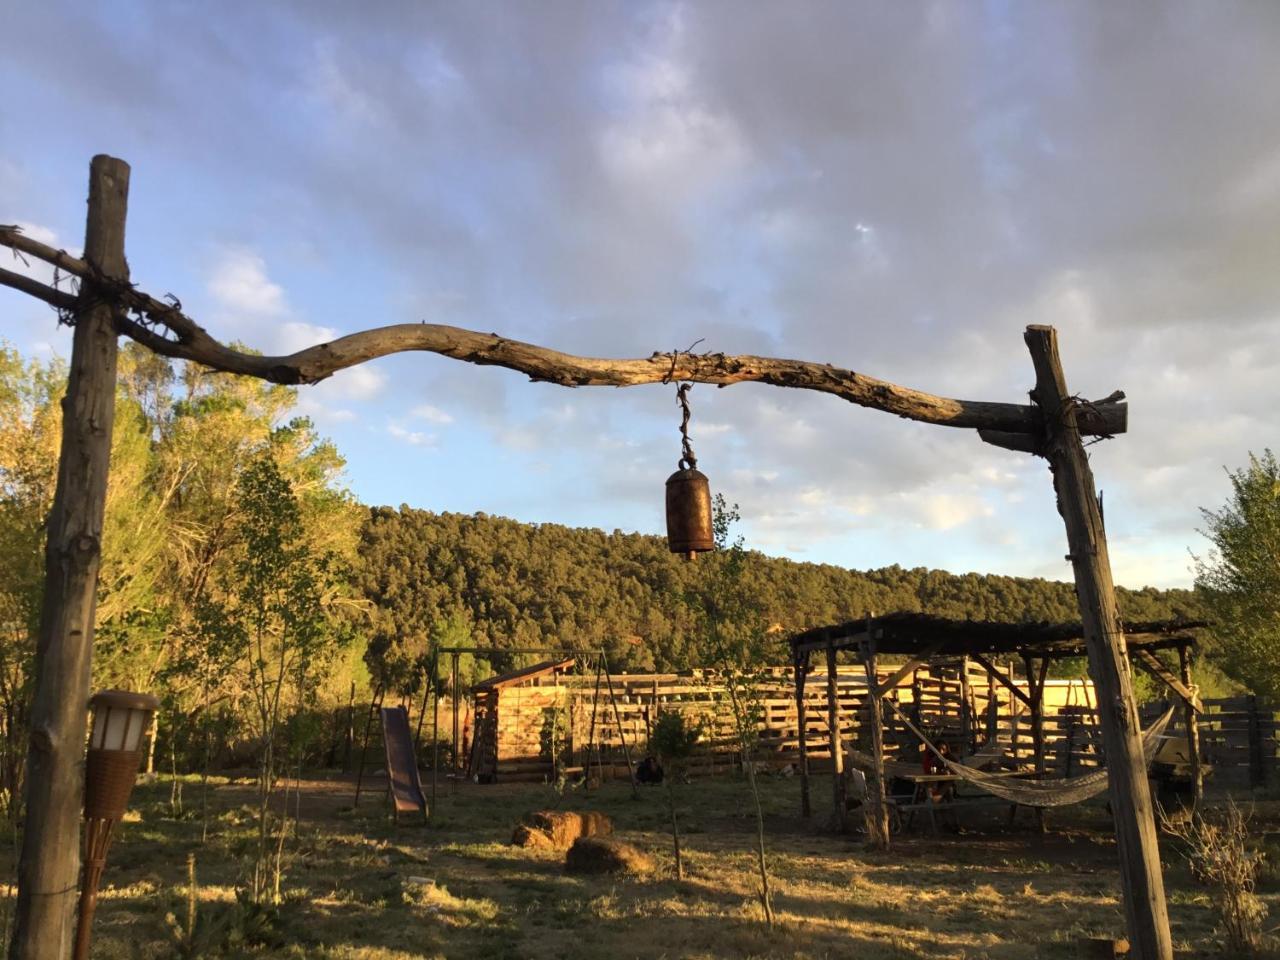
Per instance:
{"type": "Point", "coordinates": [725, 604]}
{"type": "Point", "coordinates": [672, 742]}
{"type": "Point", "coordinates": [1239, 581]}
{"type": "Point", "coordinates": [273, 616]}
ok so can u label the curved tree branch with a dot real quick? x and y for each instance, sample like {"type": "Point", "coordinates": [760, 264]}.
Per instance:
{"type": "Point", "coordinates": [50, 295]}
{"type": "Point", "coordinates": [190, 341]}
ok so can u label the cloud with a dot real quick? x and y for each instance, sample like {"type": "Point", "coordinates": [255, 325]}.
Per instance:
{"type": "Point", "coordinates": [238, 284]}
{"type": "Point", "coordinates": [431, 413]}
{"type": "Point", "coordinates": [411, 437]}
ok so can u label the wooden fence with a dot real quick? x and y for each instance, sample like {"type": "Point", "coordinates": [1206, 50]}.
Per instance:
{"type": "Point", "coordinates": [567, 718]}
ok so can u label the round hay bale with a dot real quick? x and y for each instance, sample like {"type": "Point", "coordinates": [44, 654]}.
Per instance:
{"type": "Point", "coordinates": [558, 829]}
{"type": "Point", "coordinates": [603, 855]}
{"type": "Point", "coordinates": [527, 836]}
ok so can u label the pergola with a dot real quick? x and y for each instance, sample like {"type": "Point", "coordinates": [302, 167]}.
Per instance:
{"type": "Point", "coordinates": [923, 638]}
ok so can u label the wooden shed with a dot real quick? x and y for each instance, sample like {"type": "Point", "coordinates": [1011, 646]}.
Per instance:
{"type": "Point", "coordinates": [516, 720]}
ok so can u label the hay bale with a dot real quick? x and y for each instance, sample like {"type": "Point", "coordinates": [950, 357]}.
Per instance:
{"type": "Point", "coordinates": [558, 829]}
{"type": "Point", "coordinates": [604, 855]}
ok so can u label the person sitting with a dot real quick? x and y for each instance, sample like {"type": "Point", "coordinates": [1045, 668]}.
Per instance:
{"type": "Point", "coordinates": [940, 791]}
{"type": "Point", "coordinates": [649, 771]}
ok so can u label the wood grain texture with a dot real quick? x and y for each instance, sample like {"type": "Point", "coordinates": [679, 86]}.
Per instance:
{"type": "Point", "coordinates": [49, 865]}
{"type": "Point", "coordinates": [1142, 884]}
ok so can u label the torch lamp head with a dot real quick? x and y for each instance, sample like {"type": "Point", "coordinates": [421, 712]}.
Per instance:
{"type": "Point", "coordinates": [119, 722]}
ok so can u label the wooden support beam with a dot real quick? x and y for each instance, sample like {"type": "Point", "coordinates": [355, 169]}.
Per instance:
{"type": "Point", "coordinates": [49, 865]}
{"type": "Point", "coordinates": [1141, 882]}
{"type": "Point", "coordinates": [891, 682]}
{"type": "Point", "coordinates": [617, 718]}
{"type": "Point", "coordinates": [879, 825]}
{"type": "Point", "coordinates": [1193, 726]}
{"type": "Point", "coordinates": [966, 707]}
{"type": "Point", "coordinates": [456, 744]}
{"type": "Point", "coordinates": [1035, 681]}
{"type": "Point", "coordinates": [993, 702]}
{"type": "Point", "coordinates": [839, 808]}
{"type": "Point", "coordinates": [1156, 667]}
{"type": "Point", "coordinates": [994, 671]}
{"type": "Point", "coordinates": [802, 732]}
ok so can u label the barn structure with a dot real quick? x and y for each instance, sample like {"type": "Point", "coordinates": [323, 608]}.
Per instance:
{"type": "Point", "coordinates": [559, 716]}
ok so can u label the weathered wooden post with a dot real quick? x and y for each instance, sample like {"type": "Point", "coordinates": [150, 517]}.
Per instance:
{"type": "Point", "coordinates": [1035, 686]}
{"type": "Point", "coordinates": [839, 807]}
{"type": "Point", "coordinates": [50, 861]}
{"type": "Point", "coordinates": [802, 724]}
{"type": "Point", "coordinates": [879, 832]}
{"type": "Point", "coordinates": [1141, 882]}
{"type": "Point", "coordinates": [1193, 727]}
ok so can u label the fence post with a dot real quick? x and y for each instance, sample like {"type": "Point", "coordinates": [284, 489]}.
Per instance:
{"type": "Point", "coordinates": [1257, 776]}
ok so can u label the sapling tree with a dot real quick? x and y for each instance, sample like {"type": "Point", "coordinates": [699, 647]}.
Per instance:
{"type": "Point", "coordinates": [735, 626]}
{"type": "Point", "coordinates": [672, 742]}
{"type": "Point", "coordinates": [273, 616]}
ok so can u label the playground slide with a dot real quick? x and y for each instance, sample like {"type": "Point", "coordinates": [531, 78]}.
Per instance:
{"type": "Point", "coordinates": [402, 763]}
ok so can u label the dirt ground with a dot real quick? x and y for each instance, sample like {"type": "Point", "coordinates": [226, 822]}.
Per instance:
{"type": "Point", "coordinates": [358, 887]}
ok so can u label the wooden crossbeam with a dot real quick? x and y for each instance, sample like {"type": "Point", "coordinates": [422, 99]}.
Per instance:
{"type": "Point", "coordinates": [1005, 681]}
{"type": "Point", "coordinates": [891, 682]}
{"type": "Point", "coordinates": [1155, 666]}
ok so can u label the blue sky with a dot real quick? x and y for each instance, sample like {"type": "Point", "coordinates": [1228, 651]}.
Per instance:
{"type": "Point", "coordinates": [892, 188]}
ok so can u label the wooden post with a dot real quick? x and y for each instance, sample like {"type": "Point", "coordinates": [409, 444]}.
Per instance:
{"type": "Point", "coordinates": [456, 743]}
{"type": "Point", "coordinates": [49, 866]}
{"type": "Point", "coordinates": [1035, 686]}
{"type": "Point", "coordinates": [880, 805]}
{"type": "Point", "coordinates": [374, 705]}
{"type": "Point", "coordinates": [351, 729]}
{"type": "Point", "coordinates": [802, 722]}
{"type": "Point", "coordinates": [966, 712]}
{"type": "Point", "coordinates": [993, 705]}
{"type": "Point", "coordinates": [435, 730]}
{"type": "Point", "coordinates": [617, 719]}
{"type": "Point", "coordinates": [839, 807]}
{"type": "Point", "coordinates": [591, 739]}
{"type": "Point", "coordinates": [1256, 773]}
{"type": "Point", "coordinates": [1193, 727]}
{"type": "Point", "coordinates": [1141, 882]}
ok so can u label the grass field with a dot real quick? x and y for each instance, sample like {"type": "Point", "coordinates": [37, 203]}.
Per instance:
{"type": "Point", "coordinates": [360, 888]}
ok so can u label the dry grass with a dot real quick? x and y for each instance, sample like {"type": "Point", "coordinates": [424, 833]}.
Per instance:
{"type": "Point", "coordinates": [359, 888]}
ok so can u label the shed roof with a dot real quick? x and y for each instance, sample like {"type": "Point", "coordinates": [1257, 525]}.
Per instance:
{"type": "Point", "coordinates": [523, 674]}
{"type": "Point", "coordinates": [916, 633]}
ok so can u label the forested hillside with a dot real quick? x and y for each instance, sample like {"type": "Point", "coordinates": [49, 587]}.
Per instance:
{"type": "Point", "coordinates": [494, 582]}
{"type": "Point", "coordinates": [231, 545]}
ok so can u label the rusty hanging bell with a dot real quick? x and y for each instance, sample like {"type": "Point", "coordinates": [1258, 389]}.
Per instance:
{"type": "Point", "coordinates": [689, 528]}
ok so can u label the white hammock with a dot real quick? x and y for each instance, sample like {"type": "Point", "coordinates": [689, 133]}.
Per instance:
{"type": "Point", "coordinates": [1042, 793]}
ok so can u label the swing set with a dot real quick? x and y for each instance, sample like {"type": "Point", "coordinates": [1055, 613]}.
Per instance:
{"type": "Point", "coordinates": [468, 759]}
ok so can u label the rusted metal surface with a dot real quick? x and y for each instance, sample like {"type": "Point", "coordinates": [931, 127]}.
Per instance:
{"type": "Point", "coordinates": [689, 529]}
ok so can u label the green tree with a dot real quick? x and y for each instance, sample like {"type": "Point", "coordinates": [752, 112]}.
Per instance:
{"type": "Point", "coordinates": [272, 616]}
{"type": "Point", "coordinates": [1239, 581]}
{"type": "Point", "coordinates": [672, 742]}
{"type": "Point", "coordinates": [726, 605]}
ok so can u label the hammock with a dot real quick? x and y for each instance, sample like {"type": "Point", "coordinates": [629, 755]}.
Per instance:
{"type": "Point", "coordinates": [1061, 792]}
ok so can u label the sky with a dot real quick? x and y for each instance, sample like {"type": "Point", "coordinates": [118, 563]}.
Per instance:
{"type": "Point", "coordinates": [892, 188]}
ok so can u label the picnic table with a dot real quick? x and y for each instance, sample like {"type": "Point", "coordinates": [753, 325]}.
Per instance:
{"type": "Point", "coordinates": [922, 798]}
